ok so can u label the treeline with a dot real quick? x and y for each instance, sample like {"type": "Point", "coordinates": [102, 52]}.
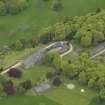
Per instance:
{"type": "Point", "coordinates": [83, 69]}
{"type": "Point", "coordinates": [12, 6]}
{"type": "Point", "coordinates": [86, 30]}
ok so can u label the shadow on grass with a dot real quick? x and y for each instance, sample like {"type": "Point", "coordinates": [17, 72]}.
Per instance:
{"type": "Point", "coordinates": [96, 103]}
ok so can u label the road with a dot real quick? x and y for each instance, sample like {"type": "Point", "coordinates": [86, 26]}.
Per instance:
{"type": "Point", "coordinates": [21, 62]}
{"type": "Point", "coordinates": [14, 66]}
{"type": "Point", "coordinates": [98, 54]}
{"type": "Point", "coordinates": [69, 51]}
{"type": "Point", "coordinates": [98, 50]}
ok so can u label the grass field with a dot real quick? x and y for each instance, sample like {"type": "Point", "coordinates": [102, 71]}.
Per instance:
{"type": "Point", "coordinates": [57, 96]}
{"type": "Point", "coordinates": [35, 74]}
{"type": "Point", "coordinates": [65, 96]}
{"type": "Point", "coordinates": [39, 14]}
{"type": "Point", "coordinates": [27, 100]}
{"type": "Point", "coordinates": [13, 57]}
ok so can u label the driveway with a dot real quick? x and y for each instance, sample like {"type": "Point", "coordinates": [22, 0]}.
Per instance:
{"type": "Point", "coordinates": [37, 56]}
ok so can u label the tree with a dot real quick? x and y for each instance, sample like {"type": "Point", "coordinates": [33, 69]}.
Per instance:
{"type": "Point", "coordinates": [100, 83]}
{"type": "Point", "coordinates": [57, 81]}
{"type": "Point", "coordinates": [91, 83]}
{"type": "Point", "coordinates": [12, 6]}
{"type": "Point", "coordinates": [60, 31]}
{"type": "Point", "coordinates": [49, 75]}
{"type": "Point", "coordinates": [14, 73]}
{"type": "Point", "coordinates": [18, 45]}
{"type": "Point", "coordinates": [102, 95]}
{"type": "Point", "coordinates": [16, 6]}
{"type": "Point", "coordinates": [2, 79]}
{"type": "Point", "coordinates": [86, 39]}
{"type": "Point", "coordinates": [8, 87]}
{"type": "Point", "coordinates": [2, 8]}
{"type": "Point", "coordinates": [26, 84]}
{"type": "Point", "coordinates": [83, 78]}
{"type": "Point", "coordinates": [98, 10]}
{"type": "Point", "coordinates": [57, 5]}
{"type": "Point", "coordinates": [98, 36]}
{"type": "Point", "coordinates": [20, 90]}
{"type": "Point", "coordinates": [1, 61]}
{"type": "Point", "coordinates": [52, 59]}
{"type": "Point", "coordinates": [47, 35]}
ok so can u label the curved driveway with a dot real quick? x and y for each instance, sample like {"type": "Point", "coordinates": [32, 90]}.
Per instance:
{"type": "Point", "coordinates": [21, 62]}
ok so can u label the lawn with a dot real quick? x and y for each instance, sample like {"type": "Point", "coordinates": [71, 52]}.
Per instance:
{"type": "Point", "coordinates": [29, 23]}
{"type": "Point", "coordinates": [57, 96]}
{"type": "Point", "coordinates": [27, 100]}
{"type": "Point", "coordinates": [34, 74]}
{"type": "Point", "coordinates": [15, 56]}
{"type": "Point", "coordinates": [65, 96]}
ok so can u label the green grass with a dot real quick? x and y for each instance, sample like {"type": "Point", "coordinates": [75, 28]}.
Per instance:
{"type": "Point", "coordinates": [15, 56]}
{"type": "Point", "coordinates": [65, 96]}
{"type": "Point", "coordinates": [57, 96]}
{"type": "Point", "coordinates": [35, 74]}
{"type": "Point", "coordinates": [36, 17]}
{"type": "Point", "coordinates": [27, 100]}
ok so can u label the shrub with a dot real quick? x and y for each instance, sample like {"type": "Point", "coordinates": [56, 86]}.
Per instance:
{"type": "Point", "coordinates": [2, 8]}
{"type": "Point", "coordinates": [14, 73]}
{"type": "Point", "coordinates": [18, 45]}
{"type": "Point", "coordinates": [57, 5]}
{"type": "Point", "coordinates": [9, 88]}
{"type": "Point", "coordinates": [46, 0]}
{"type": "Point", "coordinates": [12, 6]}
{"type": "Point", "coordinates": [57, 81]}
{"type": "Point", "coordinates": [20, 90]}
{"type": "Point", "coordinates": [26, 84]}
{"type": "Point", "coordinates": [52, 59]}
{"type": "Point", "coordinates": [102, 95]}
{"type": "Point", "coordinates": [2, 79]}
{"type": "Point", "coordinates": [50, 75]}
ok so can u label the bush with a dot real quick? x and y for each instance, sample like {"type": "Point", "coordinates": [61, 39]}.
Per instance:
{"type": "Point", "coordinates": [26, 84]}
{"type": "Point", "coordinates": [2, 8]}
{"type": "Point", "coordinates": [20, 90]}
{"type": "Point", "coordinates": [50, 75]}
{"type": "Point", "coordinates": [57, 5]}
{"type": "Point", "coordinates": [9, 88]}
{"type": "Point", "coordinates": [52, 59]}
{"type": "Point", "coordinates": [14, 73]}
{"type": "Point", "coordinates": [12, 6]}
{"type": "Point", "coordinates": [57, 81]}
{"type": "Point", "coordinates": [2, 79]}
{"type": "Point", "coordinates": [46, 0]}
{"type": "Point", "coordinates": [18, 45]}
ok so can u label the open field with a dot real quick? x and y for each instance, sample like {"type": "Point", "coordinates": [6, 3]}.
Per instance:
{"type": "Point", "coordinates": [57, 96]}
{"type": "Point", "coordinates": [65, 96]}
{"type": "Point", "coordinates": [29, 23]}
{"type": "Point", "coordinates": [27, 100]}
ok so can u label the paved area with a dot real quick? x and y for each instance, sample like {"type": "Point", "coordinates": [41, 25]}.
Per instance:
{"type": "Point", "coordinates": [36, 57]}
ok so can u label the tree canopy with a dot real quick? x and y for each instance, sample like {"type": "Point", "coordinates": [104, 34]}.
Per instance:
{"type": "Point", "coordinates": [12, 6]}
{"type": "Point", "coordinates": [87, 30]}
